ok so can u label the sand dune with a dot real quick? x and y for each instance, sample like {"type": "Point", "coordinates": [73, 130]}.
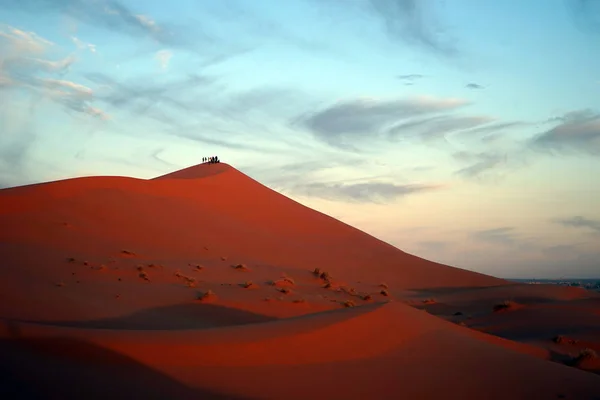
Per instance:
{"type": "Point", "coordinates": [388, 350]}
{"type": "Point", "coordinates": [102, 282]}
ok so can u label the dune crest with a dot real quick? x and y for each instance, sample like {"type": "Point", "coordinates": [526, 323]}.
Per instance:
{"type": "Point", "coordinates": [197, 171]}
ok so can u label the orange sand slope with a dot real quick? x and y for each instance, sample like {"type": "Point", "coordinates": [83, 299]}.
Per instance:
{"type": "Point", "coordinates": [104, 283]}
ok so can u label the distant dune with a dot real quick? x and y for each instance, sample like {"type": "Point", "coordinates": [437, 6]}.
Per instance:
{"type": "Point", "coordinates": [201, 284]}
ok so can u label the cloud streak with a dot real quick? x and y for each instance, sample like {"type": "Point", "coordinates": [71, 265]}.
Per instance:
{"type": "Point", "coordinates": [491, 129]}
{"type": "Point", "coordinates": [141, 96]}
{"type": "Point", "coordinates": [437, 126]}
{"type": "Point", "coordinates": [410, 77]}
{"type": "Point", "coordinates": [580, 222]}
{"type": "Point", "coordinates": [474, 86]}
{"type": "Point", "coordinates": [111, 15]}
{"type": "Point", "coordinates": [17, 40]}
{"type": "Point", "coordinates": [576, 132]}
{"type": "Point", "coordinates": [81, 45]}
{"type": "Point", "coordinates": [504, 235]}
{"type": "Point", "coordinates": [344, 123]}
{"type": "Point", "coordinates": [21, 66]}
{"type": "Point", "coordinates": [368, 192]}
{"type": "Point", "coordinates": [413, 22]}
{"type": "Point", "coordinates": [480, 163]}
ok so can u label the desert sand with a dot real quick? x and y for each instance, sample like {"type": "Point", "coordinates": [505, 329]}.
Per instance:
{"type": "Point", "coordinates": [201, 284]}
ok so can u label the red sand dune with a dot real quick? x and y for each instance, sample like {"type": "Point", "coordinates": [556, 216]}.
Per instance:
{"type": "Point", "coordinates": [101, 279]}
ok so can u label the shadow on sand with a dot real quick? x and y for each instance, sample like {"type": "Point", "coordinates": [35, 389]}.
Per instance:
{"type": "Point", "coordinates": [65, 368]}
{"type": "Point", "coordinates": [175, 317]}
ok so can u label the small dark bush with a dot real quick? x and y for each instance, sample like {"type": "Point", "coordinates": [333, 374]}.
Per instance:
{"type": "Point", "coordinates": [349, 303]}
{"type": "Point", "coordinates": [206, 295]}
{"type": "Point", "coordinates": [240, 267]}
{"type": "Point", "coordinates": [505, 305]}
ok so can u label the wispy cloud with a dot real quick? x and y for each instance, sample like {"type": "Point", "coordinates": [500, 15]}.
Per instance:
{"type": "Point", "coordinates": [155, 155]}
{"type": "Point", "coordinates": [14, 150]}
{"type": "Point", "coordinates": [580, 222]}
{"type": "Point", "coordinates": [473, 86]}
{"type": "Point", "coordinates": [344, 123]}
{"type": "Point", "coordinates": [81, 45]}
{"type": "Point", "coordinates": [112, 15]}
{"type": "Point", "coordinates": [586, 15]}
{"type": "Point", "coordinates": [230, 144]}
{"type": "Point", "coordinates": [316, 166]}
{"type": "Point", "coordinates": [72, 95]}
{"type": "Point", "coordinates": [21, 67]}
{"type": "Point", "coordinates": [422, 168]}
{"type": "Point", "coordinates": [20, 41]}
{"type": "Point", "coordinates": [479, 163]}
{"type": "Point", "coordinates": [432, 245]}
{"type": "Point", "coordinates": [410, 77]}
{"type": "Point", "coordinates": [505, 235]}
{"type": "Point", "coordinates": [263, 28]}
{"type": "Point", "coordinates": [414, 22]}
{"type": "Point", "coordinates": [487, 131]}
{"type": "Point", "coordinates": [16, 144]}
{"type": "Point", "coordinates": [561, 250]}
{"type": "Point", "coordinates": [163, 57]}
{"type": "Point", "coordinates": [367, 192]}
{"type": "Point", "coordinates": [437, 126]}
{"type": "Point", "coordinates": [576, 132]}
{"type": "Point", "coordinates": [198, 102]}
{"type": "Point", "coordinates": [140, 96]}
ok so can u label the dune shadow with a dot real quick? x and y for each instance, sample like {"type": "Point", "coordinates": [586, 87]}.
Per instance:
{"type": "Point", "coordinates": [533, 332]}
{"type": "Point", "coordinates": [454, 289]}
{"type": "Point", "coordinates": [66, 368]}
{"type": "Point", "coordinates": [173, 317]}
{"type": "Point", "coordinates": [525, 299]}
{"type": "Point", "coordinates": [561, 358]}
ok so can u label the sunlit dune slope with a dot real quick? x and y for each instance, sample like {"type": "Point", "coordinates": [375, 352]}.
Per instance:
{"type": "Point", "coordinates": [213, 206]}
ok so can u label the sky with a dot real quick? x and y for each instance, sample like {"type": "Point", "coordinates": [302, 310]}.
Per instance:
{"type": "Point", "coordinates": [466, 132]}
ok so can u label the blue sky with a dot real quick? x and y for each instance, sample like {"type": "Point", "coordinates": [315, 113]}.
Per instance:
{"type": "Point", "coordinates": [466, 132]}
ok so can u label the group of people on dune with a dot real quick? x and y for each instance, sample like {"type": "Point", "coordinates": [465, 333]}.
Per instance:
{"type": "Point", "coordinates": [211, 160]}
